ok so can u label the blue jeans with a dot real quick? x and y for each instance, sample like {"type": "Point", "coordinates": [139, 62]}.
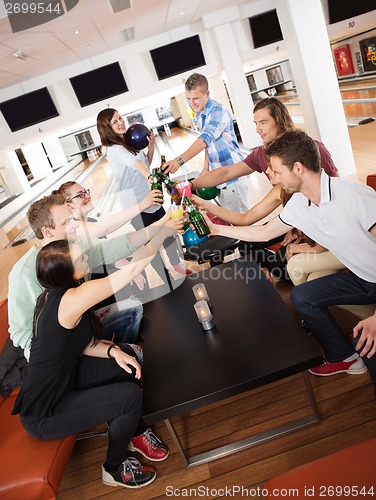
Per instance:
{"type": "Point", "coordinates": [312, 299]}
{"type": "Point", "coordinates": [121, 320]}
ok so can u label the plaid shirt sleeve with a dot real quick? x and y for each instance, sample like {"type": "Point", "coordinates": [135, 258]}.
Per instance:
{"type": "Point", "coordinates": [216, 121]}
{"type": "Point", "coordinates": [219, 135]}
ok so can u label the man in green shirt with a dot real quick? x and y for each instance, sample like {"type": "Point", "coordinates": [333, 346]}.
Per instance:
{"type": "Point", "coordinates": [51, 219]}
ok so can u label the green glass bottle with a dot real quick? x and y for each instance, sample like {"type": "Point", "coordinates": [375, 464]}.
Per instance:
{"type": "Point", "coordinates": [170, 184]}
{"type": "Point", "coordinates": [196, 218]}
{"type": "Point", "coordinates": [156, 183]}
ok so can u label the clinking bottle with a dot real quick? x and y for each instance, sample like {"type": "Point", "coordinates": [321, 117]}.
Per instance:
{"type": "Point", "coordinates": [175, 197]}
{"type": "Point", "coordinates": [197, 219]}
{"type": "Point", "coordinates": [156, 184]}
{"type": "Point", "coordinates": [163, 161]}
{"type": "Point", "coordinates": [170, 184]}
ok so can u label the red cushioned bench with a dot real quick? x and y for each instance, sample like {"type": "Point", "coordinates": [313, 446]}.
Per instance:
{"type": "Point", "coordinates": [30, 468]}
{"type": "Point", "coordinates": [352, 467]}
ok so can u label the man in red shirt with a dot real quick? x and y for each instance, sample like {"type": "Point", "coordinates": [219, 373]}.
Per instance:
{"type": "Point", "coordinates": [271, 118]}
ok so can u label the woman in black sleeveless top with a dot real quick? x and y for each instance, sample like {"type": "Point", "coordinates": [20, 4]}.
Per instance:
{"type": "Point", "coordinates": [75, 380]}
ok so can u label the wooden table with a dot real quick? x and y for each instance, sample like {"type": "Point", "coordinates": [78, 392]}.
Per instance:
{"type": "Point", "coordinates": [256, 341]}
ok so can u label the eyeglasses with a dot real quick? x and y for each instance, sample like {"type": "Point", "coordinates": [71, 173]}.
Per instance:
{"type": "Point", "coordinates": [81, 194]}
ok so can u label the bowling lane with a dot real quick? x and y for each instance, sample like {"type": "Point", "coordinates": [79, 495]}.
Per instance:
{"type": "Point", "coordinates": [95, 181]}
{"type": "Point", "coordinates": [358, 99]}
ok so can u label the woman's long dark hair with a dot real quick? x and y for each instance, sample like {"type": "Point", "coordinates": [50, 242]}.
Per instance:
{"type": "Point", "coordinates": [106, 133]}
{"type": "Point", "coordinates": [55, 270]}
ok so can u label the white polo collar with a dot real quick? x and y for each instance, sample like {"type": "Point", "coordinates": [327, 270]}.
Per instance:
{"type": "Point", "coordinates": [325, 190]}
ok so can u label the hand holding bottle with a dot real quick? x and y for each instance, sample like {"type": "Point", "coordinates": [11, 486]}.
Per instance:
{"type": "Point", "coordinates": [200, 203]}
{"type": "Point", "coordinates": [211, 226]}
{"type": "Point", "coordinates": [156, 184]}
{"type": "Point", "coordinates": [197, 219]}
{"type": "Point", "coordinates": [152, 198]}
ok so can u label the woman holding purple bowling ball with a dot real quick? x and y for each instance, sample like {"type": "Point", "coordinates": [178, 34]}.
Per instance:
{"type": "Point", "coordinates": [137, 136]}
{"type": "Point", "coordinates": [130, 168]}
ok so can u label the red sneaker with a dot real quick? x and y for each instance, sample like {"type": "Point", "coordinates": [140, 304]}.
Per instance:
{"type": "Point", "coordinates": [149, 446]}
{"type": "Point", "coordinates": [179, 268]}
{"type": "Point", "coordinates": [354, 367]}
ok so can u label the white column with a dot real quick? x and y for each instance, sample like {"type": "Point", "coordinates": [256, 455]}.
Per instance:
{"type": "Point", "coordinates": [55, 152]}
{"type": "Point", "coordinates": [37, 160]}
{"type": "Point", "coordinates": [13, 174]}
{"type": "Point", "coordinates": [307, 42]}
{"type": "Point", "coordinates": [237, 87]}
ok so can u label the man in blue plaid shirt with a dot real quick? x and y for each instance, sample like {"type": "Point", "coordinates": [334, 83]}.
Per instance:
{"type": "Point", "coordinates": [217, 138]}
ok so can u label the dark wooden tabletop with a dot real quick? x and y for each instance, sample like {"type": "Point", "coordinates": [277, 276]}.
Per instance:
{"type": "Point", "coordinates": [256, 341]}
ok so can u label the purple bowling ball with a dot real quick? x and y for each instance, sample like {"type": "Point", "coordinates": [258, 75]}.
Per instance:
{"type": "Point", "coordinates": [136, 136]}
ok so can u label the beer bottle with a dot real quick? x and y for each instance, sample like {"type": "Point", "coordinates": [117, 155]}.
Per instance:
{"type": "Point", "coordinates": [170, 184]}
{"type": "Point", "coordinates": [163, 161]}
{"type": "Point", "coordinates": [156, 184]}
{"type": "Point", "coordinates": [175, 197]}
{"type": "Point", "coordinates": [196, 218]}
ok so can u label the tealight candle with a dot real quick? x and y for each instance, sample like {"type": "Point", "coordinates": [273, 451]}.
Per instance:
{"type": "Point", "coordinates": [200, 292]}
{"type": "Point", "coordinates": [204, 315]}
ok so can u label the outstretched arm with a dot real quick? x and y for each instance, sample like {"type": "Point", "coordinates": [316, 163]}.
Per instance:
{"type": "Point", "coordinates": [266, 206]}
{"type": "Point", "coordinates": [266, 232]}
{"type": "Point", "coordinates": [114, 220]}
{"type": "Point", "coordinates": [78, 300]}
{"type": "Point", "coordinates": [196, 148]}
{"type": "Point", "coordinates": [142, 236]}
{"type": "Point", "coordinates": [221, 175]}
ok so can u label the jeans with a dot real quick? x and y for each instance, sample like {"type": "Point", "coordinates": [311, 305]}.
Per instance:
{"type": "Point", "coordinates": [104, 393]}
{"type": "Point", "coordinates": [312, 299]}
{"type": "Point", "coordinates": [121, 321]}
{"type": "Point", "coordinates": [235, 196]}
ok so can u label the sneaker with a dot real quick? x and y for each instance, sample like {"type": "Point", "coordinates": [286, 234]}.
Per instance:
{"type": "Point", "coordinates": [149, 446]}
{"type": "Point", "coordinates": [131, 474]}
{"type": "Point", "coordinates": [139, 353]}
{"type": "Point", "coordinates": [354, 367]}
{"type": "Point", "coordinates": [179, 268]}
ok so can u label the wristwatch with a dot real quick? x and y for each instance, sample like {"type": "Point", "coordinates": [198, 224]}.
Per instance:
{"type": "Point", "coordinates": [181, 161]}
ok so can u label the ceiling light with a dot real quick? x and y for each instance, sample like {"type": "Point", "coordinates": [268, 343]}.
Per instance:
{"type": "Point", "coordinates": [127, 34]}
{"type": "Point", "coordinates": [77, 32]}
{"type": "Point", "coordinates": [119, 5]}
{"type": "Point", "coordinates": [19, 55]}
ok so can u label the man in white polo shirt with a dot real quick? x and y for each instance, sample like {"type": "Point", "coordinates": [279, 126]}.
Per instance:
{"type": "Point", "coordinates": [341, 216]}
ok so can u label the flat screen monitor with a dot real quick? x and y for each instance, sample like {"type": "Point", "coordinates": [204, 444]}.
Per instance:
{"type": "Point", "coordinates": [28, 109]}
{"type": "Point", "coordinates": [265, 29]}
{"type": "Point", "coordinates": [174, 58]}
{"type": "Point", "coordinates": [340, 10]}
{"type": "Point", "coordinates": [99, 84]}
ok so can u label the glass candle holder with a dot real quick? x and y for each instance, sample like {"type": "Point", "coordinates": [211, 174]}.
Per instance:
{"type": "Point", "coordinates": [200, 292]}
{"type": "Point", "coordinates": [204, 314]}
